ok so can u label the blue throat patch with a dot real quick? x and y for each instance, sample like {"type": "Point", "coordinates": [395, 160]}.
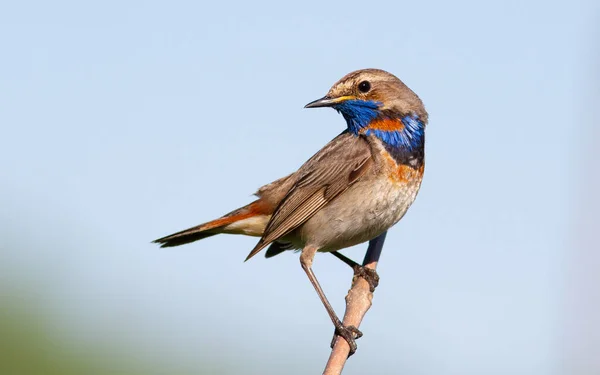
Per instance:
{"type": "Point", "coordinates": [360, 113]}
{"type": "Point", "coordinates": [409, 138]}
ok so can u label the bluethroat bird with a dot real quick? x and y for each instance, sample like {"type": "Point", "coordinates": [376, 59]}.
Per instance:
{"type": "Point", "coordinates": [351, 191]}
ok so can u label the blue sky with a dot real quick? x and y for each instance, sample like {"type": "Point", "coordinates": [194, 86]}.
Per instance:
{"type": "Point", "coordinates": [123, 122]}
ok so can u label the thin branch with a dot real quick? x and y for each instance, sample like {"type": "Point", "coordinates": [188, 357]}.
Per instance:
{"type": "Point", "coordinates": [358, 302]}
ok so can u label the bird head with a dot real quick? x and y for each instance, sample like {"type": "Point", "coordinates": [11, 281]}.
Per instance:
{"type": "Point", "coordinates": [367, 95]}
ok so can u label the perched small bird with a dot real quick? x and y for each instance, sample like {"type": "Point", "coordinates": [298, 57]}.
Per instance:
{"type": "Point", "coordinates": [351, 191]}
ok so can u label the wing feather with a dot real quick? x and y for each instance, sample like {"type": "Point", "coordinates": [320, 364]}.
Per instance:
{"type": "Point", "coordinates": [323, 177]}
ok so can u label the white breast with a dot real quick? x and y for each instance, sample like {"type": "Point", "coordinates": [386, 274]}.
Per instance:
{"type": "Point", "coordinates": [360, 214]}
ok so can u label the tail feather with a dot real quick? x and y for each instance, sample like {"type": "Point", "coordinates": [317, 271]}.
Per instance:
{"type": "Point", "coordinates": [277, 248]}
{"type": "Point", "coordinates": [183, 237]}
{"type": "Point", "coordinates": [214, 227]}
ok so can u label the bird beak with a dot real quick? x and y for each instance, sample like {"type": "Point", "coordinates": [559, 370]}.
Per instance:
{"type": "Point", "coordinates": [326, 101]}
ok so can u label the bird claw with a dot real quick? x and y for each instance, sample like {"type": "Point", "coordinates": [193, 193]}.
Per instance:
{"type": "Point", "coordinates": [369, 274]}
{"type": "Point", "coordinates": [348, 333]}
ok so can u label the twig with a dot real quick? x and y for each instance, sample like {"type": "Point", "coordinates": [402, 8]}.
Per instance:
{"type": "Point", "coordinates": [358, 302]}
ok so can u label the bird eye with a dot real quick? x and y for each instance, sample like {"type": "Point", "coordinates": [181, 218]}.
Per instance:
{"type": "Point", "coordinates": [364, 86]}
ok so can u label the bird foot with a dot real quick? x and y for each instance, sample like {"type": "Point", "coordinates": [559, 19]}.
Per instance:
{"type": "Point", "coordinates": [370, 276]}
{"type": "Point", "coordinates": [348, 333]}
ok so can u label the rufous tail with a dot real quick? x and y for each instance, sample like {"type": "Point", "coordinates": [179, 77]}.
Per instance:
{"type": "Point", "coordinates": [249, 220]}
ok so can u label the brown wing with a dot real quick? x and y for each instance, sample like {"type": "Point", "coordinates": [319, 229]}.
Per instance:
{"type": "Point", "coordinates": [323, 177]}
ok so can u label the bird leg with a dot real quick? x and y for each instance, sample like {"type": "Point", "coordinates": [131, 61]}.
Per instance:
{"type": "Point", "coordinates": [349, 333]}
{"type": "Point", "coordinates": [370, 275]}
